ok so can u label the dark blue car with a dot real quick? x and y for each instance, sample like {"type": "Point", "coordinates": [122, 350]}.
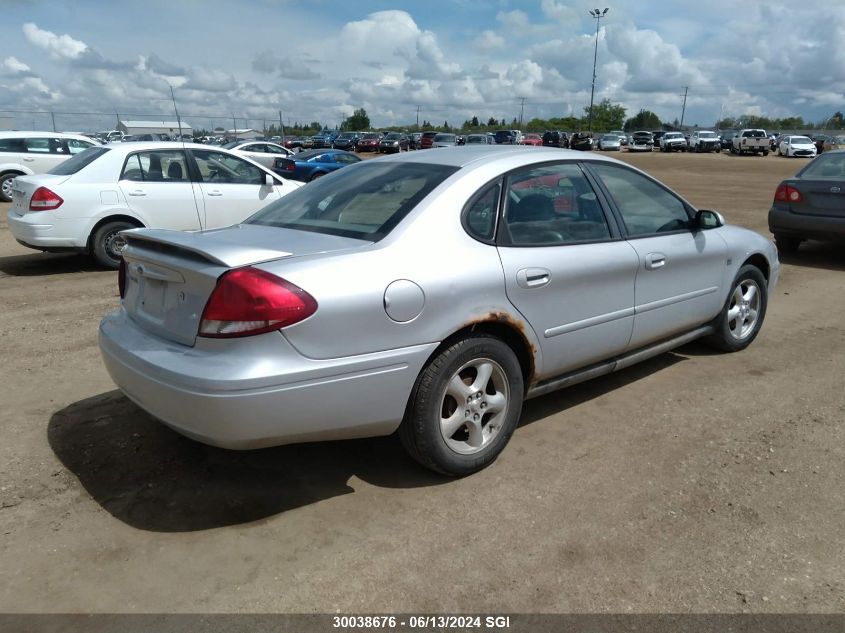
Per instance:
{"type": "Point", "coordinates": [307, 166]}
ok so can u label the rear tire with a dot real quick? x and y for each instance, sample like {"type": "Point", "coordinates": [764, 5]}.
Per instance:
{"type": "Point", "coordinates": [6, 186]}
{"type": "Point", "coordinates": [743, 313]}
{"type": "Point", "coordinates": [464, 407]}
{"type": "Point", "coordinates": [107, 245]}
{"type": "Point", "coordinates": [787, 244]}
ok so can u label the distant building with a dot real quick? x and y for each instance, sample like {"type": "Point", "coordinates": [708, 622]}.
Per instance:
{"type": "Point", "coordinates": [154, 127]}
{"type": "Point", "coordinates": [237, 135]}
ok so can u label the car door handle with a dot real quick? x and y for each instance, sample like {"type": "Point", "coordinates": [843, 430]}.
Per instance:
{"type": "Point", "coordinates": [215, 192]}
{"type": "Point", "coordinates": [28, 160]}
{"type": "Point", "coordinates": [654, 261]}
{"type": "Point", "coordinates": [533, 277]}
{"type": "Point", "coordinates": [137, 192]}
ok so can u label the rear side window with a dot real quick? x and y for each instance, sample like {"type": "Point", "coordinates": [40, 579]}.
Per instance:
{"type": "Point", "coordinates": [12, 145]}
{"type": "Point", "coordinates": [553, 205]}
{"type": "Point", "coordinates": [79, 161]}
{"type": "Point", "coordinates": [37, 145]}
{"type": "Point", "coordinates": [156, 166]}
{"type": "Point", "coordinates": [221, 168]}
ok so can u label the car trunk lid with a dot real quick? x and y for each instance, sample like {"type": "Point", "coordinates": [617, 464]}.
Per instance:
{"type": "Point", "coordinates": [820, 197]}
{"type": "Point", "coordinates": [171, 274]}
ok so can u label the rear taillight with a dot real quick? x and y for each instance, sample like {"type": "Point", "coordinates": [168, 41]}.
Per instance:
{"type": "Point", "coordinates": [249, 301]}
{"type": "Point", "coordinates": [45, 200]}
{"type": "Point", "coordinates": [121, 278]}
{"type": "Point", "coordinates": [788, 193]}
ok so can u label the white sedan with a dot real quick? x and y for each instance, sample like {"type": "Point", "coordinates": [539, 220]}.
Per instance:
{"type": "Point", "coordinates": [261, 152]}
{"type": "Point", "coordinates": [83, 204]}
{"type": "Point", "coordinates": [797, 146]}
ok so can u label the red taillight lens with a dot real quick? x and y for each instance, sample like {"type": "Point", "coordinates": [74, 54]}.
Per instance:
{"type": "Point", "coordinates": [45, 200]}
{"type": "Point", "coordinates": [788, 193]}
{"type": "Point", "coordinates": [249, 301]}
{"type": "Point", "coordinates": [121, 278]}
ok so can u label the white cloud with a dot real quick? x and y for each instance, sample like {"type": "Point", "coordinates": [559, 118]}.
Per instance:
{"type": "Point", "coordinates": [59, 46]}
{"type": "Point", "coordinates": [489, 41]}
{"type": "Point", "coordinates": [14, 65]}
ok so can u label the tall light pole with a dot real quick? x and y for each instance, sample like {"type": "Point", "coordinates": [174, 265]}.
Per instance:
{"type": "Point", "coordinates": [598, 15]}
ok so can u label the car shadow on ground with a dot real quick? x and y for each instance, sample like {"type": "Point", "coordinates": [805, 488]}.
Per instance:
{"type": "Point", "coordinates": [811, 254]}
{"type": "Point", "coordinates": [38, 264]}
{"type": "Point", "coordinates": [152, 478]}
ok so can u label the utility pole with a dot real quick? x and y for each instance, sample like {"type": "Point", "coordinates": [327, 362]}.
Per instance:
{"type": "Point", "coordinates": [597, 15]}
{"type": "Point", "coordinates": [53, 116]}
{"type": "Point", "coordinates": [521, 110]}
{"type": "Point", "coordinates": [684, 107]}
{"type": "Point", "coordinates": [418, 117]}
{"type": "Point", "coordinates": [281, 126]}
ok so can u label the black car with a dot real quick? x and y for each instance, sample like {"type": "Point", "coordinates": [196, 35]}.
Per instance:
{"type": "Point", "coordinates": [811, 204]}
{"type": "Point", "coordinates": [582, 141]}
{"type": "Point", "coordinates": [393, 142]}
{"type": "Point", "coordinates": [504, 137]}
{"type": "Point", "coordinates": [347, 141]}
{"type": "Point", "coordinates": [553, 138]}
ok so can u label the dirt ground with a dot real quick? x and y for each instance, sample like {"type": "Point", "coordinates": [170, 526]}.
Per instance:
{"type": "Point", "coordinates": [695, 482]}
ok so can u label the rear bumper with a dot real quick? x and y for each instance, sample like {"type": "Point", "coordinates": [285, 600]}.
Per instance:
{"type": "Point", "coordinates": [258, 391]}
{"type": "Point", "coordinates": [816, 227]}
{"type": "Point", "coordinates": [42, 230]}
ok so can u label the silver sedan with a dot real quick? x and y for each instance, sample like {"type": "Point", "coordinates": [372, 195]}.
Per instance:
{"type": "Point", "coordinates": [426, 293]}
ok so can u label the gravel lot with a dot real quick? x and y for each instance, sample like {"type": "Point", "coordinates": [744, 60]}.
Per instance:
{"type": "Point", "coordinates": [695, 482]}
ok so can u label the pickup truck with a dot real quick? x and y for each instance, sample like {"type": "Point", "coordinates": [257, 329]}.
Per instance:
{"type": "Point", "coordinates": [751, 142]}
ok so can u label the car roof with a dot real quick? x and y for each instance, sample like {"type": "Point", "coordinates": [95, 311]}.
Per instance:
{"type": "Point", "coordinates": [41, 134]}
{"type": "Point", "coordinates": [465, 155]}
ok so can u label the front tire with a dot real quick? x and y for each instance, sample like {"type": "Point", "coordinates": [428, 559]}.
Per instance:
{"type": "Point", "coordinates": [107, 245]}
{"type": "Point", "coordinates": [464, 407]}
{"type": "Point", "coordinates": [743, 313]}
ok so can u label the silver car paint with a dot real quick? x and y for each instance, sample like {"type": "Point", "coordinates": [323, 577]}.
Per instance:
{"type": "Point", "coordinates": [348, 370]}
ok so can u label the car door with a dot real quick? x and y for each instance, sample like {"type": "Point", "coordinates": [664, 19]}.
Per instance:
{"type": "Point", "coordinates": [258, 153]}
{"type": "Point", "coordinates": [157, 187]}
{"type": "Point", "coordinates": [231, 188]}
{"type": "Point", "coordinates": [681, 270]}
{"type": "Point", "coordinates": [43, 153]}
{"type": "Point", "coordinates": [566, 268]}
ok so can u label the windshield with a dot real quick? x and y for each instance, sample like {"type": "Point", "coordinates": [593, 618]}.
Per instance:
{"type": "Point", "coordinates": [610, 137]}
{"type": "Point", "coordinates": [77, 162]}
{"type": "Point", "coordinates": [477, 138]}
{"type": "Point", "coordinates": [827, 166]}
{"type": "Point", "coordinates": [444, 138]}
{"type": "Point", "coordinates": [364, 201]}
{"type": "Point", "coordinates": [706, 135]}
{"type": "Point", "coordinates": [669, 135]}
{"type": "Point", "coordinates": [392, 136]}
{"type": "Point", "coordinates": [372, 135]}
{"type": "Point", "coordinates": [800, 140]}
{"type": "Point", "coordinates": [754, 134]}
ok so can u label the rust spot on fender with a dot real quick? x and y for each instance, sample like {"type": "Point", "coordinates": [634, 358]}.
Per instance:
{"type": "Point", "coordinates": [495, 316]}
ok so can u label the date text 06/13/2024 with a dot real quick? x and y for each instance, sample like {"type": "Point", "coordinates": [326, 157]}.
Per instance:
{"type": "Point", "coordinates": [420, 622]}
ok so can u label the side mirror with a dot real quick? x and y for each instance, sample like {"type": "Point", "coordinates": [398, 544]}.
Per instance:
{"type": "Point", "coordinates": [269, 180]}
{"type": "Point", "coordinates": [706, 219]}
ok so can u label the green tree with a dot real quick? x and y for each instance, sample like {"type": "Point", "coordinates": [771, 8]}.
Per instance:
{"type": "Point", "coordinates": [606, 115]}
{"type": "Point", "coordinates": [358, 121]}
{"type": "Point", "coordinates": [644, 120]}
{"type": "Point", "coordinates": [492, 122]}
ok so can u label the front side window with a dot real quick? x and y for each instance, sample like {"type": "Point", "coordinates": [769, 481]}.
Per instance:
{"type": "Point", "coordinates": [365, 201]}
{"type": "Point", "coordinates": [553, 205]}
{"type": "Point", "coordinates": [217, 167]}
{"type": "Point", "coordinates": [156, 166]}
{"type": "Point", "coordinates": [646, 207]}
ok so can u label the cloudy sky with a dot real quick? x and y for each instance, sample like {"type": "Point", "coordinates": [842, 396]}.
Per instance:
{"type": "Point", "coordinates": [321, 59]}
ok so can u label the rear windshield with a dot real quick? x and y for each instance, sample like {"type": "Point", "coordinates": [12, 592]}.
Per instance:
{"type": "Point", "coordinates": [79, 161]}
{"type": "Point", "coordinates": [827, 166]}
{"type": "Point", "coordinates": [444, 138]}
{"type": "Point", "coordinates": [754, 134]}
{"type": "Point", "coordinates": [365, 201]}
